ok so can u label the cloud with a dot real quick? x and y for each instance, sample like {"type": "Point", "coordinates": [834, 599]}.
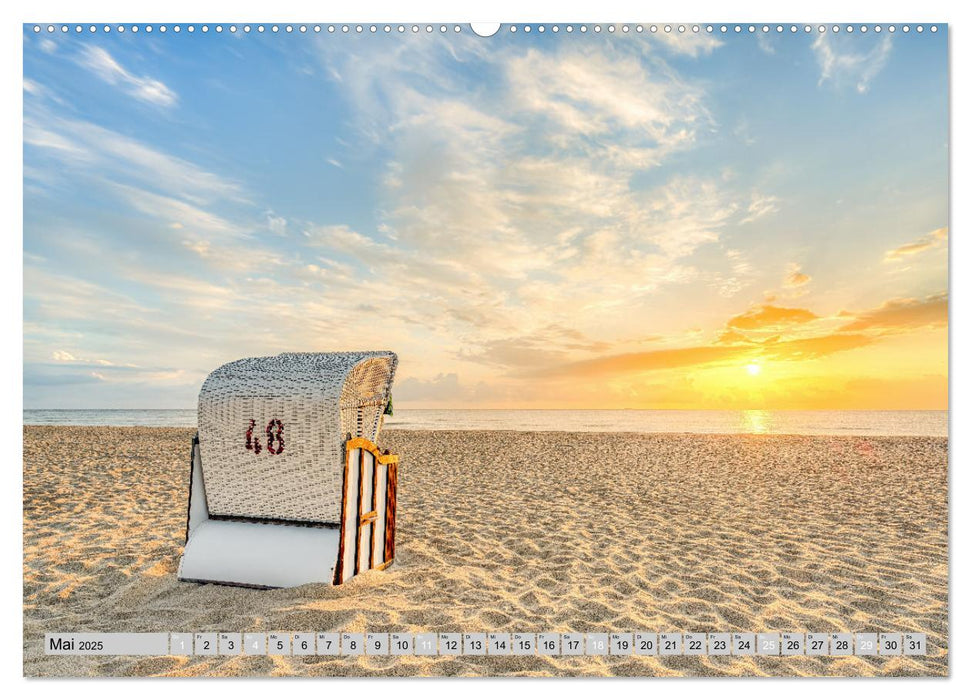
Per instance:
{"type": "Point", "coordinates": [767, 316]}
{"type": "Point", "coordinates": [174, 211]}
{"type": "Point", "coordinates": [688, 43]}
{"type": "Point", "coordinates": [795, 277]}
{"type": "Point", "coordinates": [736, 345]}
{"type": "Point", "coordinates": [511, 204]}
{"type": "Point", "coordinates": [934, 239]}
{"type": "Point", "coordinates": [841, 64]}
{"type": "Point", "coordinates": [761, 205]}
{"type": "Point", "coordinates": [549, 345]}
{"type": "Point", "coordinates": [898, 315]}
{"type": "Point", "coordinates": [103, 153]}
{"type": "Point", "coordinates": [143, 88]}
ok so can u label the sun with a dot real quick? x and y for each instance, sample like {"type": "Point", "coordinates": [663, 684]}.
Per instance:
{"type": "Point", "coordinates": [754, 369]}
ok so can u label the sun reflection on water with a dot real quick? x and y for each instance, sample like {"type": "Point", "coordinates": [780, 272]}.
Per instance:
{"type": "Point", "coordinates": [757, 422]}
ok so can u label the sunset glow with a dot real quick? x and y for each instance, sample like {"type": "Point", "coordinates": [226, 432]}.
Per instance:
{"type": "Point", "coordinates": [555, 222]}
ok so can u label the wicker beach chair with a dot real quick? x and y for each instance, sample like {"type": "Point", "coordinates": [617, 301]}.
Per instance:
{"type": "Point", "coordinates": [287, 485]}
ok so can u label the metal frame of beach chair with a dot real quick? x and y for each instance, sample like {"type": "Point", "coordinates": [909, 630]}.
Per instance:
{"type": "Point", "coordinates": [287, 485]}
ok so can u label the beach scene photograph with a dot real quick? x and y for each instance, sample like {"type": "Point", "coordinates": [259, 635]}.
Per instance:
{"type": "Point", "coordinates": [628, 335]}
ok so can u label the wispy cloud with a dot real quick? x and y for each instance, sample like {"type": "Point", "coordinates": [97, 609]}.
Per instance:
{"type": "Point", "coordinates": [897, 315]}
{"type": "Point", "coordinates": [143, 88]}
{"type": "Point", "coordinates": [689, 43]}
{"type": "Point", "coordinates": [767, 316]}
{"type": "Point", "coordinates": [795, 277]}
{"type": "Point", "coordinates": [841, 61]}
{"type": "Point", "coordinates": [934, 239]}
{"type": "Point", "coordinates": [106, 153]}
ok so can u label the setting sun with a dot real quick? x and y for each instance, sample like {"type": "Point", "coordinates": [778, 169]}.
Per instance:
{"type": "Point", "coordinates": [754, 369]}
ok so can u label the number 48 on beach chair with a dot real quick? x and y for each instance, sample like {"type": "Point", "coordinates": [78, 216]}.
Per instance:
{"type": "Point", "coordinates": [287, 485]}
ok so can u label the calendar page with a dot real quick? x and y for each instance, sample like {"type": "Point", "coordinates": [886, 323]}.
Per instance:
{"type": "Point", "coordinates": [647, 324]}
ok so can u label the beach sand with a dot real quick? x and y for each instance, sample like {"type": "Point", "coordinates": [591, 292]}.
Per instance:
{"type": "Point", "coordinates": [518, 532]}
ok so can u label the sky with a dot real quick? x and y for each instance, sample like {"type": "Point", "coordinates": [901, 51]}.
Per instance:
{"type": "Point", "coordinates": [530, 220]}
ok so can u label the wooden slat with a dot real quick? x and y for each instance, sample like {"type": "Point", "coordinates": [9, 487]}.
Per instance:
{"type": "Point", "coordinates": [390, 508]}
{"type": "Point", "coordinates": [360, 508]}
{"type": "Point", "coordinates": [339, 569]}
{"type": "Point", "coordinates": [375, 465]}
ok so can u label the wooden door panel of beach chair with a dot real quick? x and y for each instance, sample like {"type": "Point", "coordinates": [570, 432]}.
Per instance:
{"type": "Point", "coordinates": [271, 490]}
{"type": "Point", "coordinates": [370, 491]}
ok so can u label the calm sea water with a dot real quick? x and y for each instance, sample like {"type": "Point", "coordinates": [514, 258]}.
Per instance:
{"type": "Point", "coordinates": [770, 422]}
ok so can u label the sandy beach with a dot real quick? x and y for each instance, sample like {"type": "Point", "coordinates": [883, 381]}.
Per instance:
{"type": "Point", "coordinates": [518, 531]}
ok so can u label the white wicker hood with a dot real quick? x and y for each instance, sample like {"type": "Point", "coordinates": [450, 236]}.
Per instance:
{"type": "Point", "coordinates": [271, 431]}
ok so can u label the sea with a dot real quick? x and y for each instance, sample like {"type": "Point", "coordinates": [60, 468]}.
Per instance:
{"type": "Point", "coordinates": [930, 423]}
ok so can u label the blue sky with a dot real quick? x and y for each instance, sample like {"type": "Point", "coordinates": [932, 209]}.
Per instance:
{"type": "Point", "coordinates": [503, 212]}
